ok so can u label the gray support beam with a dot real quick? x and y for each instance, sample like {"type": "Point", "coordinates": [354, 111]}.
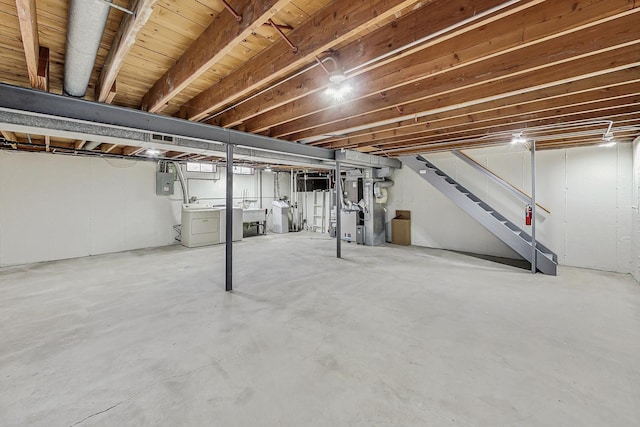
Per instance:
{"type": "Point", "coordinates": [356, 158]}
{"type": "Point", "coordinates": [24, 122]}
{"type": "Point", "coordinates": [229, 224]}
{"type": "Point", "coordinates": [38, 102]}
{"type": "Point", "coordinates": [338, 209]}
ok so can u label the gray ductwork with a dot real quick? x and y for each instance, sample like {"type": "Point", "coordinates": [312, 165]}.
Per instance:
{"type": "Point", "coordinates": [87, 20]}
{"type": "Point", "coordinates": [380, 185]}
{"type": "Point", "coordinates": [379, 191]}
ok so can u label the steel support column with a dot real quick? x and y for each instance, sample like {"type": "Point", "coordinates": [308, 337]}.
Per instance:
{"type": "Point", "coordinates": [338, 208]}
{"type": "Point", "coordinates": [533, 207]}
{"type": "Point", "coordinates": [229, 225]}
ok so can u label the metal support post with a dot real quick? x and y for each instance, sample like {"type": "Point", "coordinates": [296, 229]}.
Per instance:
{"type": "Point", "coordinates": [229, 224]}
{"type": "Point", "coordinates": [338, 208]}
{"type": "Point", "coordinates": [533, 207]}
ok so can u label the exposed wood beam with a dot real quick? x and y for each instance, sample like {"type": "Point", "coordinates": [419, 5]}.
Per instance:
{"type": "Point", "coordinates": [28, 19]}
{"type": "Point", "coordinates": [9, 136]}
{"type": "Point", "coordinates": [586, 101]}
{"type": "Point", "coordinates": [43, 69]}
{"type": "Point", "coordinates": [47, 143]}
{"type": "Point", "coordinates": [510, 124]}
{"type": "Point", "coordinates": [602, 86]}
{"type": "Point", "coordinates": [496, 135]}
{"type": "Point", "coordinates": [436, 17]}
{"type": "Point", "coordinates": [421, 72]}
{"type": "Point", "coordinates": [111, 94]}
{"type": "Point", "coordinates": [336, 23]}
{"type": "Point", "coordinates": [107, 148]}
{"type": "Point", "coordinates": [131, 151]}
{"type": "Point", "coordinates": [480, 90]}
{"type": "Point", "coordinates": [125, 39]}
{"type": "Point", "coordinates": [79, 144]}
{"type": "Point", "coordinates": [223, 35]}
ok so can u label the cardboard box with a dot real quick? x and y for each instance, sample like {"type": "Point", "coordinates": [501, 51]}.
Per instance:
{"type": "Point", "coordinates": [401, 228]}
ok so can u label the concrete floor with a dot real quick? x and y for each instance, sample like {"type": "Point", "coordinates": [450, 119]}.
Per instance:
{"type": "Point", "coordinates": [389, 336]}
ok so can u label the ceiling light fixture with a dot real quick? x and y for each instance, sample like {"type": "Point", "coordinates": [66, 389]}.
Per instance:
{"type": "Point", "coordinates": [517, 138]}
{"type": "Point", "coordinates": [607, 140]}
{"type": "Point", "coordinates": [152, 152]}
{"type": "Point", "coordinates": [338, 92]}
{"type": "Point", "coordinates": [338, 89]}
{"type": "Point", "coordinates": [268, 169]}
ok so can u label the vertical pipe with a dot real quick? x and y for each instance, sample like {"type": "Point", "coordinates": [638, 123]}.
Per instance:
{"type": "Point", "coordinates": [229, 213]}
{"type": "Point", "coordinates": [305, 202]}
{"type": "Point", "coordinates": [260, 188]}
{"type": "Point", "coordinates": [338, 208]}
{"type": "Point", "coordinates": [533, 207]}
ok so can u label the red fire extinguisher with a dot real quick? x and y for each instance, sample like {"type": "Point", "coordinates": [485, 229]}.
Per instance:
{"type": "Point", "coordinates": [528, 213]}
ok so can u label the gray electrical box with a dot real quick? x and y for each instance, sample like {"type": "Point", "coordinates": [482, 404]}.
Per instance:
{"type": "Point", "coordinates": [164, 184]}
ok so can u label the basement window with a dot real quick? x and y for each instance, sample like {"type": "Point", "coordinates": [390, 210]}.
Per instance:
{"type": "Point", "coordinates": [200, 167]}
{"type": "Point", "coordinates": [242, 170]}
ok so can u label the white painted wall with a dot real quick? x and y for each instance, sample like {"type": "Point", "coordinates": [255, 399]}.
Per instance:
{"type": "Point", "coordinates": [588, 191]}
{"type": "Point", "coordinates": [56, 207]}
{"type": "Point", "coordinates": [213, 191]}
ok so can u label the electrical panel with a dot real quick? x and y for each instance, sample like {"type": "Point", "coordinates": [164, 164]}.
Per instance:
{"type": "Point", "coordinates": [164, 183]}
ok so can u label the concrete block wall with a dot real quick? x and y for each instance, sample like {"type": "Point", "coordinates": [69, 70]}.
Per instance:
{"type": "Point", "coordinates": [588, 191]}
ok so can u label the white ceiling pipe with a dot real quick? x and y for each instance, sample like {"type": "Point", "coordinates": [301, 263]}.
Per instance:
{"type": "Point", "coordinates": [87, 19]}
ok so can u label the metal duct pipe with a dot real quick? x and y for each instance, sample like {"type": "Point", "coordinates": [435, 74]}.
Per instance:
{"type": "Point", "coordinates": [183, 184]}
{"type": "Point", "coordinates": [87, 19]}
{"type": "Point", "coordinates": [379, 185]}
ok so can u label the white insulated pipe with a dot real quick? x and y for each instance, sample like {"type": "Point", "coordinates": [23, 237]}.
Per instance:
{"type": "Point", "coordinates": [87, 20]}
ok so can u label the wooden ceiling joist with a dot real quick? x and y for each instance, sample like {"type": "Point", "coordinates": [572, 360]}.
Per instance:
{"type": "Point", "coordinates": [601, 86]}
{"type": "Point", "coordinates": [132, 151]}
{"type": "Point", "coordinates": [28, 19]}
{"type": "Point", "coordinates": [9, 136]}
{"type": "Point", "coordinates": [445, 77]}
{"type": "Point", "coordinates": [437, 17]}
{"type": "Point", "coordinates": [477, 91]}
{"type": "Point", "coordinates": [513, 124]}
{"type": "Point", "coordinates": [126, 37]}
{"type": "Point", "coordinates": [334, 24]}
{"type": "Point", "coordinates": [218, 40]}
{"type": "Point", "coordinates": [43, 69]}
{"type": "Point", "coordinates": [426, 75]}
{"type": "Point", "coordinates": [584, 102]}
